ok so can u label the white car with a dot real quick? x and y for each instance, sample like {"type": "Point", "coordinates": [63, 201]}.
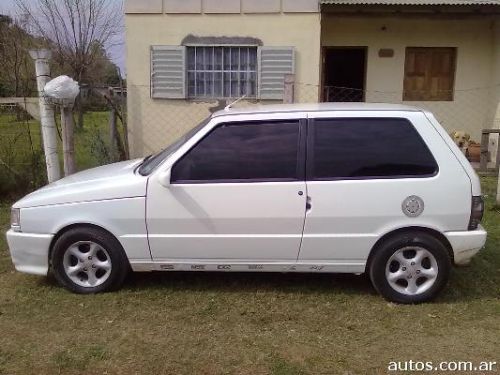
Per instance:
{"type": "Point", "coordinates": [353, 188]}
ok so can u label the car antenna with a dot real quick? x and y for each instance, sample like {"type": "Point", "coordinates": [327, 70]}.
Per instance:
{"type": "Point", "coordinates": [229, 106]}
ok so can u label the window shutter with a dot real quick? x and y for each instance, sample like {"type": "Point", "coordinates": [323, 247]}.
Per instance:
{"type": "Point", "coordinates": [429, 73]}
{"type": "Point", "coordinates": [274, 63]}
{"type": "Point", "coordinates": [415, 80]}
{"type": "Point", "coordinates": [168, 67]}
{"type": "Point", "coordinates": [442, 73]}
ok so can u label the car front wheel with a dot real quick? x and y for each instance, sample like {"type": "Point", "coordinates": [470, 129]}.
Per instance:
{"type": "Point", "coordinates": [410, 267]}
{"type": "Point", "coordinates": [89, 260]}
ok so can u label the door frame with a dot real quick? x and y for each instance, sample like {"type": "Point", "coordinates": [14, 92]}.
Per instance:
{"type": "Point", "coordinates": [324, 50]}
{"type": "Point", "coordinates": [176, 261]}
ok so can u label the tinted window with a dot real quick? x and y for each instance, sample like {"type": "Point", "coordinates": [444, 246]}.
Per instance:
{"type": "Point", "coordinates": [356, 148]}
{"type": "Point", "coordinates": [151, 162]}
{"type": "Point", "coordinates": [250, 151]}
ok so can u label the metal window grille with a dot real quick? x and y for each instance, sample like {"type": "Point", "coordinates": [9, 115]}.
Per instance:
{"type": "Point", "coordinates": [221, 72]}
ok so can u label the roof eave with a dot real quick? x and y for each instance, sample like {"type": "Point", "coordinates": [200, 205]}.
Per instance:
{"type": "Point", "coordinates": [481, 10]}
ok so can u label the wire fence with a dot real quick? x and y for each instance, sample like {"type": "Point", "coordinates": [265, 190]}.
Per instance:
{"type": "Point", "coordinates": [22, 161]}
{"type": "Point", "coordinates": [21, 154]}
{"type": "Point", "coordinates": [152, 124]}
{"type": "Point", "coordinates": [470, 110]}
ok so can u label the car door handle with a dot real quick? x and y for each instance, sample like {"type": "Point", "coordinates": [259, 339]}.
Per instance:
{"type": "Point", "coordinates": [308, 203]}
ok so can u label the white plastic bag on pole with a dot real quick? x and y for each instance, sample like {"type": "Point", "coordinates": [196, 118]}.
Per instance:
{"type": "Point", "coordinates": [62, 90]}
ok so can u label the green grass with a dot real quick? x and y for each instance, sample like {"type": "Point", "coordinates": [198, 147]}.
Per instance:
{"type": "Point", "coordinates": [187, 323]}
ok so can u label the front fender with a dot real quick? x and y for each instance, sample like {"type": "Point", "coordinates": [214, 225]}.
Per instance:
{"type": "Point", "coordinates": [124, 218]}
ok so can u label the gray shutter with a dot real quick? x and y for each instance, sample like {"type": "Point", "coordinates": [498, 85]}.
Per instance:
{"type": "Point", "coordinates": [168, 72]}
{"type": "Point", "coordinates": [274, 63]}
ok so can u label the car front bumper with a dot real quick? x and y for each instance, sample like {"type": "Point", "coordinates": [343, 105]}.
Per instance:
{"type": "Point", "coordinates": [466, 244]}
{"type": "Point", "coordinates": [30, 251]}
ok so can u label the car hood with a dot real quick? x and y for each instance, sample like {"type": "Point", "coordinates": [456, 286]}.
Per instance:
{"type": "Point", "coordinates": [113, 181]}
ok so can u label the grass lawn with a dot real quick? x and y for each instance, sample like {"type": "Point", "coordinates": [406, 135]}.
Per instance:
{"type": "Point", "coordinates": [188, 323]}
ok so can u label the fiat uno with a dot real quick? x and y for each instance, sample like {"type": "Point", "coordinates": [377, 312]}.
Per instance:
{"type": "Point", "coordinates": [323, 188]}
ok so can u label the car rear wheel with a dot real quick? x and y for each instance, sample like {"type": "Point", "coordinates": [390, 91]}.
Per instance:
{"type": "Point", "coordinates": [410, 267]}
{"type": "Point", "coordinates": [89, 260]}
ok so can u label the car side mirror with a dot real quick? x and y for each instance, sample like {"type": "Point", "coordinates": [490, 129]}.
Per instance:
{"type": "Point", "coordinates": [164, 178]}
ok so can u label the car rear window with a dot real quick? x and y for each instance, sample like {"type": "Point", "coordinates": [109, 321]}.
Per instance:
{"type": "Point", "coordinates": [369, 148]}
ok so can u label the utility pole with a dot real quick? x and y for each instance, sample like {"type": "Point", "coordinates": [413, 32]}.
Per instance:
{"type": "Point", "coordinates": [49, 131]}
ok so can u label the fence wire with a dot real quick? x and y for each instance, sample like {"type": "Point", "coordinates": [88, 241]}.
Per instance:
{"type": "Point", "coordinates": [155, 123]}
{"type": "Point", "coordinates": [471, 110]}
{"type": "Point", "coordinates": [22, 161]}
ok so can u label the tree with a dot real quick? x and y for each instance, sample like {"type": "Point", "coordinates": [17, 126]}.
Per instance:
{"type": "Point", "coordinates": [104, 71]}
{"type": "Point", "coordinates": [78, 32]}
{"type": "Point", "coordinates": [16, 67]}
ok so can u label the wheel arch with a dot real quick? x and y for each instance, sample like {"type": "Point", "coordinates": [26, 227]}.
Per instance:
{"type": "Point", "coordinates": [68, 227]}
{"type": "Point", "coordinates": [433, 232]}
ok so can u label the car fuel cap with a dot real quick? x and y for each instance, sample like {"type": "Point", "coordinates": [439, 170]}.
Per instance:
{"type": "Point", "coordinates": [413, 206]}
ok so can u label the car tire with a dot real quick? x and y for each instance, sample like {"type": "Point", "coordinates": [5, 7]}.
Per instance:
{"type": "Point", "coordinates": [89, 260]}
{"type": "Point", "coordinates": [410, 267]}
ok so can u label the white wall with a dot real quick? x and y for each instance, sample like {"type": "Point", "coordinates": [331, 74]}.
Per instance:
{"type": "Point", "coordinates": [473, 106]}
{"type": "Point", "coordinates": [220, 6]}
{"type": "Point", "coordinates": [154, 123]}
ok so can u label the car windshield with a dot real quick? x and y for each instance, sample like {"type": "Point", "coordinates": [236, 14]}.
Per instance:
{"type": "Point", "coordinates": [152, 161]}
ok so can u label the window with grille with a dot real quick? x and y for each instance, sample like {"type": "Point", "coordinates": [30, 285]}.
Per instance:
{"type": "Point", "coordinates": [221, 72]}
{"type": "Point", "coordinates": [429, 73]}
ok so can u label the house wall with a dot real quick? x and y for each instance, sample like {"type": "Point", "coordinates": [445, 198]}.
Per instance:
{"type": "Point", "coordinates": [154, 123]}
{"type": "Point", "coordinates": [478, 57]}
{"type": "Point", "coordinates": [496, 70]}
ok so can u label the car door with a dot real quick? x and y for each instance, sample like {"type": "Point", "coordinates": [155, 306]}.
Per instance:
{"type": "Point", "coordinates": [237, 195]}
{"type": "Point", "coordinates": [362, 168]}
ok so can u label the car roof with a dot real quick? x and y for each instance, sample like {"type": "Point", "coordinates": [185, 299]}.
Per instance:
{"type": "Point", "coordinates": [315, 107]}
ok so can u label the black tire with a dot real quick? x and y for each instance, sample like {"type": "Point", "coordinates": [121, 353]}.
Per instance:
{"type": "Point", "coordinates": [391, 246]}
{"type": "Point", "coordinates": [119, 262]}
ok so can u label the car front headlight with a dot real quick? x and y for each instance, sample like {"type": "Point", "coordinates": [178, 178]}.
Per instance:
{"type": "Point", "coordinates": [15, 218]}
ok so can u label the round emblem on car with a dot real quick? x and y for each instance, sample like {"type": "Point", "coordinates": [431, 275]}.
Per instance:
{"type": "Point", "coordinates": [413, 206]}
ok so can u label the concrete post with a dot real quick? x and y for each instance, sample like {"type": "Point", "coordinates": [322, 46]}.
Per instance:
{"type": "Point", "coordinates": [289, 90]}
{"type": "Point", "coordinates": [49, 131]}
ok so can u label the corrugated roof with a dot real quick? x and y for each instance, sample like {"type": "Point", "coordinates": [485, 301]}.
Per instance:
{"type": "Point", "coordinates": [411, 2]}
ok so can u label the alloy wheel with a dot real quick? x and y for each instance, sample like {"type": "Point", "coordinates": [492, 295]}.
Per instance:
{"type": "Point", "coordinates": [87, 264]}
{"type": "Point", "coordinates": [411, 270]}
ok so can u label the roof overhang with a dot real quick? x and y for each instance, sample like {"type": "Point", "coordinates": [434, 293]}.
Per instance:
{"type": "Point", "coordinates": [465, 7]}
